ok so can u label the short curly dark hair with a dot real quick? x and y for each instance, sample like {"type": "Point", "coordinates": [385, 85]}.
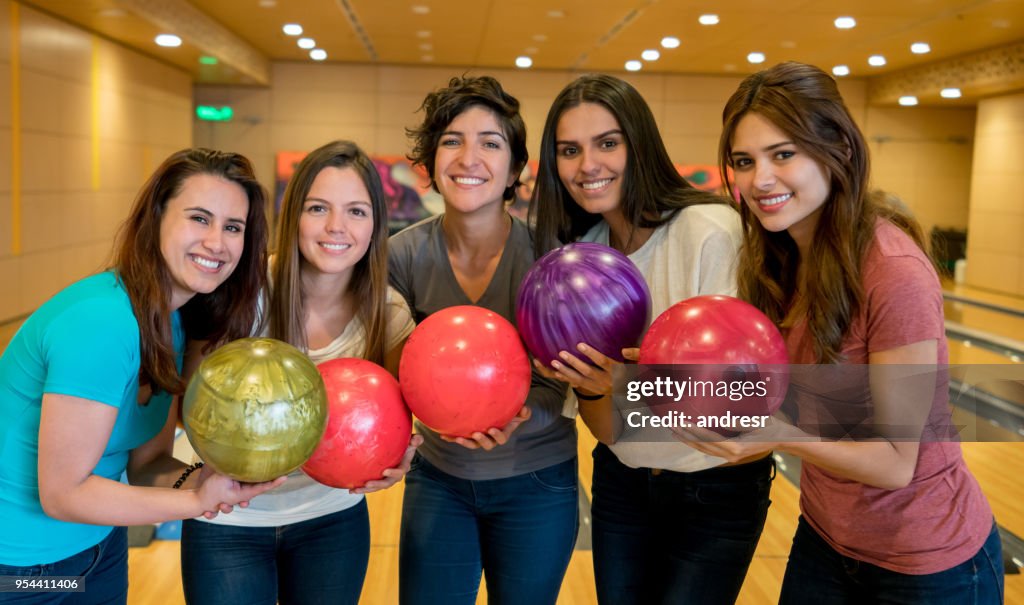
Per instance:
{"type": "Point", "coordinates": [442, 106]}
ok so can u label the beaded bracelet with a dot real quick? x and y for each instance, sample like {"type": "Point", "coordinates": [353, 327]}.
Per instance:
{"type": "Point", "coordinates": [188, 471]}
{"type": "Point", "coordinates": [583, 397]}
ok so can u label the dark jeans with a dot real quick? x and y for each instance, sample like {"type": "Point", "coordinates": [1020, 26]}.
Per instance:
{"type": "Point", "coordinates": [818, 575]}
{"type": "Point", "coordinates": [104, 566]}
{"type": "Point", "coordinates": [680, 538]}
{"type": "Point", "coordinates": [519, 531]}
{"type": "Point", "coordinates": [322, 560]}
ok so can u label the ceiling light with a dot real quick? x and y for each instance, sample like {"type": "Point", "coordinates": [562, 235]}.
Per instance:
{"type": "Point", "coordinates": [840, 70]}
{"type": "Point", "coordinates": [292, 29]}
{"type": "Point", "coordinates": [523, 62]}
{"type": "Point", "coordinates": [307, 43]}
{"type": "Point", "coordinates": [920, 48]}
{"type": "Point", "coordinates": [556, 14]}
{"type": "Point", "coordinates": [423, 33]}
{"type": "Point", "coordinates": [168, 40]}
{"type": "Point", "coordinates": [670, 42]}
{"type": "Point", "coordinates": [318, 54]}
{"type": "Point", "coordinates": [420, 9]}
{"type": "Point", "coordinates": [268, 3]}
{"type": "Point", "coordinates": [729, 67]}
{"type": "Point", "coordinates": [755, 58]}
{"type": "Point", "coordinates": [427, 58]}
{"type": "Point", "coordinates": [540, 38]}
{"type": "Point", "coordinates": [530, 50]}
{"type": "Point", "coordinates": [950, 93]}
{"type": "Point", "coordinates": [426, 46]}
{"type": "Point", "coordinates": [846, 23]}
{"type": "Point", "coordinates": [634, 65]}
{"type": "Point", "coordinates": [876, 60]}
{"type": "Point", "coordinates": [650, 55]}
{"type": "Point", "coordinates": [708, 19]}
{"type": "Point", "coordinates": [908, 100]}
{"type": "Point", "coordinates": [787, 44]}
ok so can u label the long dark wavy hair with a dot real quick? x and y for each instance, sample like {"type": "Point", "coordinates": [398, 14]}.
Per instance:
{"type": "Point", "coordinates": [653, 191]}
{"type": "Point", "coordinates": [369, 283]}
{"type": "Point", "coordinates": [442, 106]}
{"type": "Point", "coordinates": [228, 312]}
{"type": "Point", "coordinates": [804, 103]}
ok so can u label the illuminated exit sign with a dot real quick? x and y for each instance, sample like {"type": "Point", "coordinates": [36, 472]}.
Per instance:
{"type": "Point", "coordinates": [214, 114]}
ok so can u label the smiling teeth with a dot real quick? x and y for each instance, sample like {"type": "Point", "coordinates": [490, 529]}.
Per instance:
{"type": "Point", "coordinates": [596, 184]}
{"type": "Point", "coordinates": [462, 180]}
{"type": "Point", "coordinates": [202, 262]}
{"type": "Point", "coordinates": [336, 246]}
{"type": "Point", "coordinates": [773, 201]}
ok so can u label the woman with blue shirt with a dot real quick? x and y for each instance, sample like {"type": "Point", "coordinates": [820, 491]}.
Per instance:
{"type": "Point", "coordinates": [86, 384]}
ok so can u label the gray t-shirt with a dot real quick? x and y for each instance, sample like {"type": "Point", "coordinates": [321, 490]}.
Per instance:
{"type": "Point", "coordinates": [421, 272]}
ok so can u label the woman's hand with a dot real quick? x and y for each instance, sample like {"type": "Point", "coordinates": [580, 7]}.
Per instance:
{"type": "Point", "coordinates": [220, 493]}
{"type": "Point", "coordinates": [742, 446]}
{"type": "Point", "coordinates": [494, 436]}
{"type": "Point", "coordinates": [594, 378]}
{"type": "Point", "coordinates": [393, 475]}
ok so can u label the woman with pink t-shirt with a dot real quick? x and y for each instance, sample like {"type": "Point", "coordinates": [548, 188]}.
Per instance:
{"type": "Point", "coordinates": [843, 273]}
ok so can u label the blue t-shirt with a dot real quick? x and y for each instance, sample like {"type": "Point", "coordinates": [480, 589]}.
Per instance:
{"type": "Point", "coordinates": [83, 342]}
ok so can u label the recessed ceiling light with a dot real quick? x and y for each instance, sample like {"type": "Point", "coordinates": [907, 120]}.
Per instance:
{"type": "Point", "coordinates": [167, 40]}
{"type": "Point", "coordinates": [908, 100]}
{"type": "Point", "coordinates": [840, 70]}
{"type": "Point", "coordinates": [920, 48]}
{"type": "Point", "coordinates": [556, 14]}
{"type": "Point", "coordinates": [755, 58]}
{"type": "Point", "coordinates": [423, 33]}
{"type": "Point", "coordinates": [427, 58]}
{"type": "Point", "coordinates": [420, 9]}
{"type": "Point", "coordinates": [268, 3]}
{"type": "Point", "coordinates": [950, 93]}
{"type": "Point", "coordinates": [670, 42]}
{"type": "Point", "coordinates": [787, 44]}
{"type": "Point", "coordinates": [708, 19]}
{"type": "Point", "coordinates": [540, 38]}
{"type": "Point", "coordinates": [292, 29]}
{"type": "Point", "coordinates": [530, 50]}
{"type": "Point", "coordinates": [729, 67]}
{"type": "Point", "coordinates": [307, 43]}
{"type": "Point", "coordinates": [426, 46]}
{"type": "Point", "coordinates": [650, 55]}
{"type": "Point", "coordinates": [876, 60]}
{"type": "Point", "coordinates": [523, 62]}
{"type": "Point", "coordinates": [318, 54]}
{"type": "Point", "coordinates": [634, 65]}
{"type": "Point", "coordinates": [207, 60]}
{"type": "Point", "coordinates": [845, 23]}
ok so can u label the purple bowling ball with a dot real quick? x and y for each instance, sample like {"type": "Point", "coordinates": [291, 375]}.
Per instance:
{"type": "Point", "coordinates": [582, 292]}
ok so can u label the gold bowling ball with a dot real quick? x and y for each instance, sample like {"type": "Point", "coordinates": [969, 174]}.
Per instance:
{"type": "Point", "coordinates": [255, 409]}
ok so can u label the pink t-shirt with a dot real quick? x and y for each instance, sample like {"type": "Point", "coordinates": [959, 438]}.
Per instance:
{"type": "Point", "coordinates": [941, 518]}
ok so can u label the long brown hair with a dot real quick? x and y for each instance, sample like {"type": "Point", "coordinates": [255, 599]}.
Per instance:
{"type": "Point", "coordinates": [653, 191]}
{"type": "Point", "coordinates": [804, 103]}
{"type": "Point", "coordinates": [228, 312]}
{"type": "Point", "coordinates": [369, 277]}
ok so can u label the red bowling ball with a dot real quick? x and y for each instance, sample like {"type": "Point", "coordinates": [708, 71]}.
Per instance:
{"type": "Point", "coordinates": [721, 339]}
{"type": "Point", "coordinates": [368, 424]}
{"type": "Point", "coordinates": [464, 370]}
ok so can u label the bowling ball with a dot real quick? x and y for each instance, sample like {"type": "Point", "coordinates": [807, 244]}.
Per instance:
{"type": "Point", "coordinates": [464, 370]}
{"type": "Point", "coordinates": [255, 409]}
{"type": "Point", "coordinates": [368, 425]}
{"type": "Point", "coordinates": [582, 292]}
{"type": "Point", "coordinates": [725, 341]}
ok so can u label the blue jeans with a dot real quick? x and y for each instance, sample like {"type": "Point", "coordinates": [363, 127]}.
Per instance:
{"type": "Point", "coordinates": [322, 560]}
{"type": "Point", "coordinates": [668, 537]}
{"type": "Point", "coordinates": [104, 567]}
{"type": "Point", "coordinates": [818, 575]}
{"type": "Point", "coordinates": [519, 531]}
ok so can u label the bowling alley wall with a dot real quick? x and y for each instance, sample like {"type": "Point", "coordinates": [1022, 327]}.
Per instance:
{"type": "Point", "coordinates": [83, 120]}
